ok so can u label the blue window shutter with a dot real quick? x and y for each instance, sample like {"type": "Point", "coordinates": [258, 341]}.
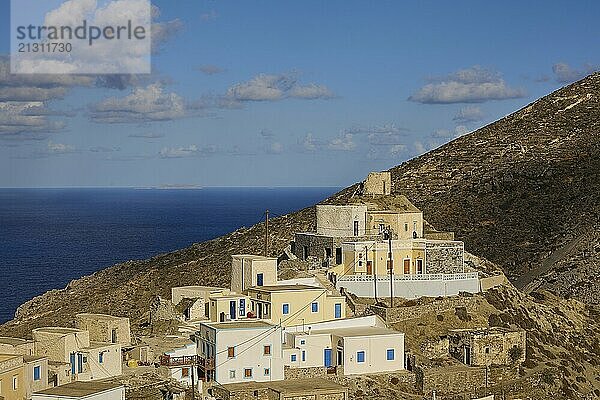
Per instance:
{"type": "Point", "coordinates": [360, 356]}
{"type": "Point", "coordinates": [303, 355]}
{"type": "Point", "coordinates": [338, 310]}
{"type": "Point", "coordinates": [390, 354]}
{"type": "Point", "coordinates": [315, 307]}
{"type": "Point", "coordinates": [286, 308]}
{"type": "Point", "coordinates": [293, 358]}
{"type": "Point", "coordinates": [36, 373]}
{"type": "Point", "coordinates": [259, 279]}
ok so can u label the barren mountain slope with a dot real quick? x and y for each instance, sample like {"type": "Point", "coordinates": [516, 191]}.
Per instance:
{"type": "Point", "coordinates": [521, 188]}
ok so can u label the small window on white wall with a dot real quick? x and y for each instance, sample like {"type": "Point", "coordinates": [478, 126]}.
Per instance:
{"type": "Point", "coordinates": [15, 382]}
{"type": "Point", "coordinates": [232, 374]}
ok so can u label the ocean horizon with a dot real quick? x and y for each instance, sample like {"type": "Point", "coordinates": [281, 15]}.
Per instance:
{"type": "Point", "coordinates": [50, 236]}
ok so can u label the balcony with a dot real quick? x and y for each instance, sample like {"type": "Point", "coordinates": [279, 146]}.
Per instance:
{"type": "Point", "coordinates": [168, 361]}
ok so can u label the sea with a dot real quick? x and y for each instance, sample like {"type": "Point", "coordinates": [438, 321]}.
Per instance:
{"type": "Point", "coordinates": [49, 237]}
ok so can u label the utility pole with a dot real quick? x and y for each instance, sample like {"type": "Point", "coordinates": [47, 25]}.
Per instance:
{"type": "Point", "coordinates": [266, 233]}
{"type": "Point", "coordinates": [374, 271]}
{"type": "Point", "coordinates": [193, 387]}
{"type": "Point", "coordinates": [390, 265]}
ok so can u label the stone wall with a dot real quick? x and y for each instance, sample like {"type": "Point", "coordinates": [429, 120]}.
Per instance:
{"type": "Point", "coordinates": [304, 373]}
{"type": "Point", "coordinates": [444, 257]}
{"type": "Point", "coordinates": [438, 306]}
{"type": "Point", "coordinates": [449, 380]}
{"type": "Point", "coordinates": [487, 347]}
{"type": "Point", "coordinates": [163, 310]}
{"type": "Point", "coordinates": [101, 327]}
{"type": "Point", "coordinates": [378, 183]}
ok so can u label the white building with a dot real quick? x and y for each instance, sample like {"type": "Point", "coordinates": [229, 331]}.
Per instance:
{"type": "Point", "coordinates": [180, 362]}
{"type": "Point", "coordinates": [357, 346]}
{"type": "Point", "coordinates": [82, 390]}
{"type": "Point", "coordinates": [248, 351]}
{"type": "Point", "coordinates": [249, 270]}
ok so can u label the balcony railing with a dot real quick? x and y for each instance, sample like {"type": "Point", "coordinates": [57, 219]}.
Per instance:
{"type": "Point", "coordinates": [168, 361]}
{"type": "Point", "coordinates": [410, 277]}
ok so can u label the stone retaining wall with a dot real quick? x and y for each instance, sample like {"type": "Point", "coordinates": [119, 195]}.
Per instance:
{"type": "Point", "coordinates": [396, 314]}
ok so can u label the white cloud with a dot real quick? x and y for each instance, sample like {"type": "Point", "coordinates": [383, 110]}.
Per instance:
{"type": "Point", "coordinates": [275, 148]}
{"type": "Point", "coordinates": [104, 56]}
{"type": "Point", "coordinates": [59, 148]}
{"type": "Point", "coordinates": [471, 85]}
{"type": "Point", "coordinates": [147, 104]}
{"type": "Point", "coordinates": [469, 114]}
{"type": "Point", "coordinates": [273, 87]}
{"type": "Point", "coordinates": [27, 121]}
{"type": "Point", "coordinates": [308, 143]}
{"type": "Point", "coordinates": [187, 151]}
{"type": "Point", "coordinates": [147, 135]}
{"type": "Point", "coordinates": [564, 73]}
{"type": "Point", "coordinates": [311, 91]}
{"type": "Point", "coordinates": [343, 142]}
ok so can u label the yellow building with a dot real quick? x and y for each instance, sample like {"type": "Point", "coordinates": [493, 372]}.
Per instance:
{"type": "Point", "coordinates": [369, 257]}
{"type": "Point", "coordinates": [296, 304]}
{"type": "Point", "coordinates": [404, 224]}
{"type": "Point", "coordinates": [249, 270]}
{"type": "Point", "coordinates": [228, 307]}
{"type": "Point", "coordinates": [12, 377]}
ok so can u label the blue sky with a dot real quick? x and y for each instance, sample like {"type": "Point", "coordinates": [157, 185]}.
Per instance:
{"type": "Point", "coordinates": [306, 93]}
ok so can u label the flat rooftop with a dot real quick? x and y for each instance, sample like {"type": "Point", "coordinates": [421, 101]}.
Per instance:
{"type": "Point", "coordinates": [58, 330]}
{"type": "Point", "coordinates": [242, 325]}
{"type": "Point", "coordinates": [13, 341]}
{"type": "Point", "coordinates": [5, 357]}
{"type": "Point", "coordinates": [359, 331]}
{"type": "Point", "coordinates": [253, 257]}
{"type": "Point", "coordinates": [281, 288]}
{"type": "Point", "coordinates": [291, 386]}
{"type": "Point", "coordinates": [99, 345]}
{"type": "Point", "coordinates": [100, 316]}
{"type": "Point", "coordinates": [80, 389]}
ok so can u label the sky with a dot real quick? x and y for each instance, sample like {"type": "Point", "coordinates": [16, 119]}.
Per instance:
{"type": "Point", "coordinates": [282, 93]}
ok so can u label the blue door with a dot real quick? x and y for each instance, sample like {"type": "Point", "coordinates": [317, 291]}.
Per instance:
{"type": "Point", "coordinates": [259, 279]}
{"type": "Point", "coordinates": [327, 358]}
{"type": "Point", "coordinates": [338, 310]}
{"type": "Point", "coordinates": [79, 363]}
{"type": "Point", "coordinates": [242, 307]}
{"type": "Point", "coordinates": [232, 309]}
{"type": "Point", "coordinates": [72, 359]}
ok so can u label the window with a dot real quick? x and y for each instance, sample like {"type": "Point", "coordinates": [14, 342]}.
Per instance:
{"type": "Point", "coordinates": [406, 226]}
{"type": "Point", "coordinates": [315, 307]}
{"type": "Point", "coordinates": [247, 372]}
{"type": "Point", "coordinates": [185, 372]}
{"type": "Point", "coordinates": [232, 374]}
{"type": "Point", "coordinates": [267, 350]}
{"type": "Point", "coordinates": [360, 356]}
{"type": "Point", "coordinates": [15, 382]}
{"type": "Point", "coordinates": [338, 310]}
{"type": "Point", "coordinates": [303, 355]}
{"type": "Point", "coordinates": [259, 279]}
{"type": "Point", "coordinates": [381, 228]}
{"type": "Point", "coordinates": [100, 358]}
{"type": "Point", "coordinates": [390, 354]}
{"type": "Point", "coordinates": [293, 358]}
{"type": "Point", "coordinates": [230, 352]}
{"type": "Point", "coordinates": [355, 228]}
{"type": "Point", "coordinates": [267, 372]}
{"type": "Point", "coordinates": [303, 341]}
{"type": "Point", "coordinates": [338, 255]}
{"type": "Point", "coordinates": [419, 266]}
{"type": "Point", "coordinates": [113, 336]}
{"type": "Point", "coordinates": [487, 350]}
{"type": "Point", "coordinates": [286, 308]}
{"type": "Point", "coordinates": [37, 373]}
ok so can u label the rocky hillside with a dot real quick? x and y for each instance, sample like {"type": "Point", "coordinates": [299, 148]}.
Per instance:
{"type": "Point", "coordinates": [522, 191]}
